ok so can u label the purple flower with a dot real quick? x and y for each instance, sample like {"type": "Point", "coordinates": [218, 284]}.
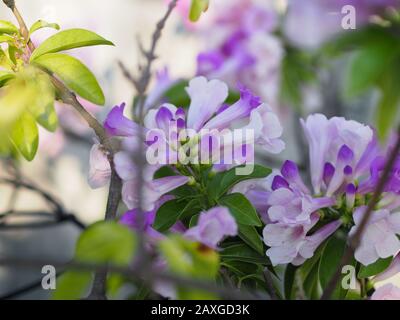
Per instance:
{"type": "Point", "coordinates": [206, 97]}
{"type": "Point", "coordinates": [152, 190]}
{"type": "Point", "coordinates": [212, 227]}
{"type": "Point", "coordinates": [379, 240]}
{"type": "Point", "coordinates": [117, 124]}
{"type": "Point", "coordinates": [268, 129]}
{"type": "Point", "coordinates": [291, 244]}
{"type": "Point", "coordinates": [163, 83]}
{"type": "Point", "coordinates": [239, 110]}
{"type": "Point", "coordinates": [243, 48]}
{"type": "Point", "coordinates": [100, 170]}
{"type": "Point", "coordinates": [337, 151]}
{"type": "Point", "coordinates": [387, 292]}
{"type": "Point", "coordinates": [292, 207]}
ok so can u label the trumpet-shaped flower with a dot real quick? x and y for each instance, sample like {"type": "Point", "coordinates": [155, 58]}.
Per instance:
{"type": "Point", "coordinates": [213, 226]}
{"type": "Point", "coordinates": [291, 244]}
{"type": "Point", "coordinates": [387, 292]}
{"type": "Point", "coordinates": [379, 240]}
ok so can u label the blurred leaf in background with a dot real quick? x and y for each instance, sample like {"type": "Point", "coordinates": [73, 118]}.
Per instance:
{"type": "Point", "coordinates": [192, 260]}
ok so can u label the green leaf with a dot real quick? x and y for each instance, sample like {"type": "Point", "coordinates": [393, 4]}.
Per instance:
{"type": "Point", "coordinates": [42, 108]}
{"type": "Point", "coordinates": [40, 24]}
{"type": "Point", "coordinates": [241, 209]}
{"type": "Point", "coordinates": [5, 61]}
{"type": "Point", "coordinates": [222, 182]}
{"type": "Point", "coordinates": [74, 74]}
{"type": "Point", "coordinates": [197, 8]}
{"type": "Point", "coordinates": [250, 236]}
{"type": "Point", "coordinates": [289, 278]}
{"type": "Point", "coordinates": [387, 110]}
{"type": "Point", "coordinates": [240, 268]}
{"type": "Point", "coordinates": [177, 94]}
{"type": "Point", "coordinates": [190, 259]}
{"type": "Point", "coordinates": [330, 259]}
{"type": "Point", "coordinates": [193, 220]}
{"type": "Point", "coordinates": [5, 76]}
{"type": "Point", "coordinates": [72, 285]}
{"type": "Point", "coordinates": [374, 268]}
{"type": "Point", "coordinates": [368, 64]}
{"type": "Point", "coordinates": [25, 136]}
{"type": "Point", "coordinates": [312, 285]}
{"type": "Point", "coordinates": [296, 71]}
{"type": "Point", "coordinates": [106, 242]}
{"type": "Point", "coordinates": [8, 27]}
{"type": "Point", "coordinates": [69, 39]}
{"type": "Point", "coordinates": [242, 252]}
{"type": "Point", "coordinates": [172, 211]}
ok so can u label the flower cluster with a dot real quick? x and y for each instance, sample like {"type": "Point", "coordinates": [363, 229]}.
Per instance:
{"type": "Point", "coordinates": [169, 130]}
{"type": "Point", "coordinates": [346, 163]}
{"type": "Point", "coordinates": [242, 47]}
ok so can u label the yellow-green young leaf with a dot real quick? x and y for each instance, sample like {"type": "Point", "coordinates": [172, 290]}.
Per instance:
{"type": "Point", "coordinates": [69, 39]}
{"type": "Point", "coordinates": [5, 76]}
{"type": "Point", "coordinates": [192, 260]}
{"type": "Point", "coordinates": [15, 99]}
{"type": "Point", "coordinates": [40, 24]}
{"type": "Point", "coordinates": [5, 38]}
{"type": "Point", "coordinates": [106, 242]}
{"type": "Point", "coordinates": [25, 136]}
{"type": "Point", "coordinates": [197, 8]}
{"type": "Point", "coordinates": [43, 107]}
{"type": "Point", "coordinates": [72, 285]}
{"type": "Point", "coordinates": [74, 74]}
{"type": "Point", "coordinates": [5, 61]}
{"type": "Point", "coordinates": [7, 27]}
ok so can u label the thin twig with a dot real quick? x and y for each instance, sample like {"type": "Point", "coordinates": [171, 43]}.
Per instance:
{"type": "Point", "coordinates": [141, 85]}
{"type": "Point", "coordinates": [68, 97]}
{"type": "Point", "coordinates": [270, 285]}
{"type": "Point", "coordinates": [133, 274]}
{"type": "Point", "coordinates": [355, 240]}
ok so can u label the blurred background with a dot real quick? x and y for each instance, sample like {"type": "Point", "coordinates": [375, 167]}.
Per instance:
{"type": "Point", "coordinates": [62, 164]}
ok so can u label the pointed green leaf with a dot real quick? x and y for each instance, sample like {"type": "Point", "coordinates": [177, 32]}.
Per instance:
{"type": "Point", "coordinates": [241, 209]}
{"type": "Point", "coordinates": [106, 242]}
{"type": "Point", "coordinates": [172, 211]}
{"type": "Point", "coordinates": [72, 285]}
{"type": "Point", "coordinates": [250, 236]}
{"type": "Point", "coordinates": [40, 24]}
{"type": "Point", "coordinates": [7, 27]}
{"type": "Point", "coordinates": [25, 136]}
{"type": "Point", "coordinates": [5, 76]}
{"type": "Point", "coordinates": [289, 279]}
{"type": "Point", "coordinates": [242, 252]}
{"type": "Point", "coordinates": [374, 268]}
{"type": "Point", "coordinates": [330, 259]}
{"type": "Point", "coordinates": [74, 74]}
{"type": "Point", "coordinates": [43, 108]}
{"type": "Point", "coordinates": [197, 8]}
{"type": "Point", "coordinates": [224, 181]}
{"type": "Point", "coordinates": [69, 39]}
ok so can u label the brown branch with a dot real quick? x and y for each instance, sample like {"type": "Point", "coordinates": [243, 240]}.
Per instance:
{"type": "Point", "coordinates": [141, 85]}
{"type": "Point", "coordinates": [355, 240]}
{"type": "Point", "coordinates": [69, 97]}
